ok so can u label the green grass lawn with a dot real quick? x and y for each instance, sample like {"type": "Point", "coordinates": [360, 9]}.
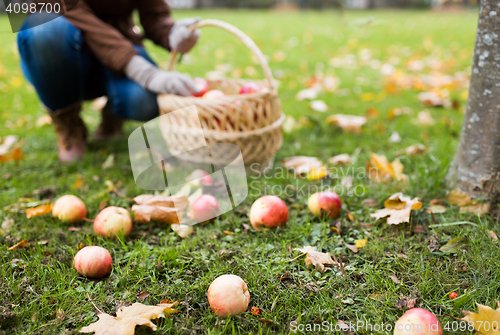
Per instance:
{"type": "Point", "coordinates": [41, 293]}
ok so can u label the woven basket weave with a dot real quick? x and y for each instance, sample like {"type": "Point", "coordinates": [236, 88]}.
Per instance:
{"type": "Point", "coordinates": [250, 121]}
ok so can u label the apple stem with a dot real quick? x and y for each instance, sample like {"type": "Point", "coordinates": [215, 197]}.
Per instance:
{"type": "Point", "coordinates": [88, 220]}
{"type": "Point", "coordinates": [100, 312]}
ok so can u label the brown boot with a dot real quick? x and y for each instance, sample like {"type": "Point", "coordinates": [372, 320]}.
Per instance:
{"type": "Point", "coordinates": [71, 132]}
{"type": "Point", "coordinates": [111, 125]}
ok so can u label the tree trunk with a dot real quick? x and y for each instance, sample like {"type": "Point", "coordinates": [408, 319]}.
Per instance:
{"type": "Point", "coordinates": [476, 166]}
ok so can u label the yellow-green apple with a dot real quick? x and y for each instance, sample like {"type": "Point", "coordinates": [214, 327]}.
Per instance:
{"type": "Point", "coordinates": [418, 321]}
{"type": "Point", "coordinates": [268, 211]}
{"type": "Point", "coordinates": [228, 295]}
{"type": "Point", "coordinates": [204, 208]}
{"type": "Point", "coordinates": [201, 87]}
{"type": "Point", "coordinates": [111, 221]}
{"type": "Point", "coordinates": [69, 208]}
{"type": "Point", "coordinates": [93, 262]}
{"type": "Point", "coordinates": [325, 203]}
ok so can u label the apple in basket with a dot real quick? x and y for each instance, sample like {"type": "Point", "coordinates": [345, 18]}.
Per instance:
{"type": "Point", "coordinates": [214, 94]}
{"type": "Point", "coordinates": [201, 87]}
{"type": "Point", "coordinates": [250, 87]}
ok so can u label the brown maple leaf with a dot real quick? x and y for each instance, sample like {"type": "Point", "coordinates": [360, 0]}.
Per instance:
{"type": "Point", "coordinates": [127, 318]}
{"type": "Point", "coordinates": [316, 258]}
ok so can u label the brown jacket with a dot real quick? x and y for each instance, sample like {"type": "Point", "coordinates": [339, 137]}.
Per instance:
{"type": "Point", "coordinates": [108, 30]}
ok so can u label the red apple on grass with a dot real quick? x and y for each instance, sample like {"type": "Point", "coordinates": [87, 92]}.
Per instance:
{"type": "Point", "coordinates": [69, 208]}
{"type": "Point", "coordinates": [325, 203]}
{"type": "Point", "coordinates": [93, 262]}
{"type": "Point", "coordinates": [202, 175]}
{"type": "Point", "coordinates": [228, 295]}
{"type": "Point", "coordinates": [201, 86]}
{"type": "Point", "coordinates": [250, 87]}
{"type": "Point", "coordinates": [418, 321]}
{"type": "Point", "coordinates": [204, 208]}
{"type": "Point", "coordinates": [111, 221]}
{"type": "Point", "coordinates": [214, 94]}
{"type": "Point", "coordinates": [268, 211]}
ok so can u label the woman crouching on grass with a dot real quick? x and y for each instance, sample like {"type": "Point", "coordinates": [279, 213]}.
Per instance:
{"type": "Point", "coordinates": [96, 50]}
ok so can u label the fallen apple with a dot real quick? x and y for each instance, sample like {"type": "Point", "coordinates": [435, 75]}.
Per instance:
{"type": "Point", "coordinates": [111, 221]}
{"type": "Point", "coordinates": [214, 94]}
{"type": "Point", "coordinates": [269, 211]}
{"type": "Point", "coordinates": [201, 87]}
{"type": "Point", "coordinates": [250, 87]}
{"type": "Point", "coordinates": [204, 208]}
{"type": "Point", "coordinates": [203, 176]}
{"type": "Point", "coordinates": [93, 262]}
{"type": "Point", "coordinates": [418, 321]}
{"type": "Point", "coordinates": [69, 208]}
{"type": "Point", "coordinates": [228, 295]}
{"type": "Point", "coordinates": [325, 203]}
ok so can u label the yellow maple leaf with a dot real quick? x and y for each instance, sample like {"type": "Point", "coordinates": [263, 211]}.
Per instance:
{"type": "Point", "coordinates": [486, 321]}
{"type": "Point", "coordinates": [381, 170]}
{"type": "Point", "coordinates": [127, 318]}
{"type": "Point", "coordinates": [398, 208]}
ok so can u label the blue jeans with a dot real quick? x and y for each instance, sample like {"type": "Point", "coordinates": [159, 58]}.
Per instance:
{"type": "Point", "coordinates": [55, 60]}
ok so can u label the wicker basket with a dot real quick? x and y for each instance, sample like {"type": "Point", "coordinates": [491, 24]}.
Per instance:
{"type": "Point", "coordinates": [250, 121]}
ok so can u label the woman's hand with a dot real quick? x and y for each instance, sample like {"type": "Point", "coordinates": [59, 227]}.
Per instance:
{"type": "Point", "coordinates": [158, 81]}
{"type": "Point", "coordinates": [182, 39]}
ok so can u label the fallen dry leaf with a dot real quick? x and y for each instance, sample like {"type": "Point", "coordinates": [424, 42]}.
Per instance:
{"type": "Point", "coordinates": [424, 118]}
{"type": "Point", "coordinates": [318, 106]}
{"type": "Point", "coordinates": [398, 208]}
{"type": "Point", "coordinates": [40, 210]}
{"type": "Point", "coordinates": [317, 173]}
{"type": "Point", "coordinates": [453, 245]}
{"type": "Point", "coordinates": [361, 243]}
{"type": "Point", "coordinates": [432, 99]}
{"type": "Point", "coordinates": [22, 244]}
{"type": "Point", "coordinates": [342, 159]}
{"type": "Point", "coordinates": [349, 123]}
{"type": "Point", "coordinates": [159, 208]}
{"type": "Point", "coordinates": [302, 165]}
{"type": "Point", "coordinates": [395, 279]}
{"type": "Point", "coordinates": [351, 247]}
{"type": "Point", "coordinates": [381, 170]}
{"type": "Point", "coordinates": [182, 230]}
{"type": "Point", "coordinates": [43, 121]}
{"type": "Point", "coordinates": [466, 204]}
{"type": "Point", "coordinates": [307, 94]}
{"type": "Point", "coordinates": [492, 235]}
{"type": "Point", "coordinates": [370, 202]}
{"type": "Point", "coordinates": [316, 258]}
{"type": "Point", "coordinates": [127, 318]}
{"type": "Point", "coordinates": [413, 150]}
{"type": "Point", "coordinates": [109, 162]}
{"type": "Point", "coordinates": [436, 209]}
{"type": "Point", "coordinates": [395, 137]}
{"type": "Point", "coordinates": [486, 320]}
{"type": "Point", "coordinates": [459, 198]}
{"type": "Point", "coordinates": [80, 181]}
{"type": "Point", "coordinates": [475, 208]}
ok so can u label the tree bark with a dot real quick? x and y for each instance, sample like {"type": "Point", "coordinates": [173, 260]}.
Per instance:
{"type": "Point", "coordinates": [476, 166]}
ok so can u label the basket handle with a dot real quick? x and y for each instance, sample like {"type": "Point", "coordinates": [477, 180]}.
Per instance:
{"type": "Point", "coordinates": [244, 38]}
